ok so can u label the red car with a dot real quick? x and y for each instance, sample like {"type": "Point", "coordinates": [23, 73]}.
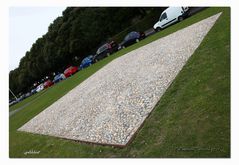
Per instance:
{"type": "Point", "coordinates": [48, 83]}
{"type": "Point", "coordinates": [70, 71]}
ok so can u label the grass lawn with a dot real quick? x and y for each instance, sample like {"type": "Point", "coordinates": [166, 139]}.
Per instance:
{"type": "Point", "coordinates": [25, 101]}
{"type": "Point", "coordinates": [192, 118]}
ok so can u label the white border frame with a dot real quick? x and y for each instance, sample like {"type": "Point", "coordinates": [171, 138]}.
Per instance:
{"type": "Point", "coordinates": [4, 113]}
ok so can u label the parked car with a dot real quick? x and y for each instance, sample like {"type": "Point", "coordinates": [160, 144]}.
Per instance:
{"type": "Point", "coordinates": [86, 62]}
{"type": "Point", "coordinates": [106, 50]}
{"type": "Point", "coordinates": [170, 16]}
{"type": "Point", "coordinates": [33, 91]}
{"type": "Point", "coordinates": [70, 71]}
{"type": "Point", "coordinates": [59, 77]}
{"type": "Point", "coordinates": [40, 87]}
{"type": "Point", "coordinates": [114, 46]}
{"type": "Point", "coordinates": [12, 102]}
{"type": "Point", "coordinates": [48, 83]}
{"type": "Point", "coordinates": [20, 98]}
{"type": "Point", "coordinates": [28, 94]}
{"type": "Point", "coordinates": [131, 38]}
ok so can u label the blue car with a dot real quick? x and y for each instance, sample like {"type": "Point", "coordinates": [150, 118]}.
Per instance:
{"type": "Point", "coordinates": [86, 62]}
{"type": "Point", "coordinates": [59, 78]}
{"type": "Point", "coordinates": [131, 38]}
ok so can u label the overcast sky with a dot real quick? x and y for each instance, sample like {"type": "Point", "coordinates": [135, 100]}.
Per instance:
{"type": "Point", "coordinates": [26, 24]}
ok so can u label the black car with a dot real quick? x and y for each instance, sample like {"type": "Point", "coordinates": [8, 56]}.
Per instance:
{"type": "Point", "coordinates": [105, 50]}
{"type": "Point", "coordinates": [131, 38]}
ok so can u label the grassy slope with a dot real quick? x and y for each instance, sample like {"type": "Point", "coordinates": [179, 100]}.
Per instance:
{"type": "Point", "coordinates": [25, 101]}
{"type": "Point", "coordinates": [191, 120]}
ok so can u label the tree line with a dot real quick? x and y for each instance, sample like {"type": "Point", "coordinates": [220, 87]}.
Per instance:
{"type": "Point", "coordinates": [74, 35]}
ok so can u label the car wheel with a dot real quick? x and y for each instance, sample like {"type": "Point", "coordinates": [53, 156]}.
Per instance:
{"type": "Point", "coordinates": [137, 40]}
{"type": "Point", "coordinates": [180, 18]}
{"type": "Point", "coordinates": [157, 29]}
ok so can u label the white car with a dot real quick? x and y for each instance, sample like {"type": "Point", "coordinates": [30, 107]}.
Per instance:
{"type": "Point", "coordinates": [170, 16]}
{"type": "Point", "coordinates": [40, 87]}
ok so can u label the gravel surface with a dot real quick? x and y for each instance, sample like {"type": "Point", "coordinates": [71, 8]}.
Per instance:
{"type": "Point", "coordinates": [112, 104]}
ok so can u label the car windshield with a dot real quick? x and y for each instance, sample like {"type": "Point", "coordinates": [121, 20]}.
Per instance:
{"type": "Point", "coordinates": [130, 36]}
{"type": "Point", "coordinates": [127, 37]}
{"type": "Point", "coordinates": [47, 82]}
{"type": "Point", "coordinates": [67, 69]}
{"type": "Point", "coordinates": [102, 48]}
{"type": "Point", "coordinates": [57, 76]}
{"type": "Point", "coordinates": [85, 60]}
{"type": "Point", "coordinates": [90, 56]}
{"type": "Point", "coordinates": [163, 16]}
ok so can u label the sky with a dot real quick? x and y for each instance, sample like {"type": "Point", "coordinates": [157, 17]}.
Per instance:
{"type": "Point", "coordinates": [26, 25]}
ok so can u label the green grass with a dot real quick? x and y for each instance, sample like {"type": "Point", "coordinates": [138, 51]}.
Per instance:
{"type": "Point", "coordinates": [25, 101]}
{"type": "Point", "coordinates": [192, 118]}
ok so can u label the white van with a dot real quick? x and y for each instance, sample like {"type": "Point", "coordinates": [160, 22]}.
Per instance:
{"type": "Point", "coordinates": [170, 16]}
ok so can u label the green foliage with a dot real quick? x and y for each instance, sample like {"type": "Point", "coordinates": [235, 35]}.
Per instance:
{"type": "Point", "coordinates": [77, 33]}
